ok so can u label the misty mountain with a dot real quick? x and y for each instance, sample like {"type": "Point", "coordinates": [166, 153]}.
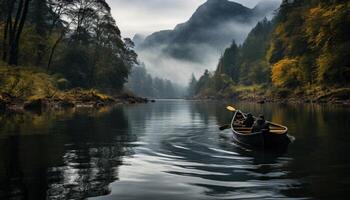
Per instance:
{"type": "Point", "coordinates": [138, 39]}
{"type": "Point", "coordinates": [266, 8]}
{"type": "Point", "coordinates": [210, 29]}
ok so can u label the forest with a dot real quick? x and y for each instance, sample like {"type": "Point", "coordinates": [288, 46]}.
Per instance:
{"type": "Point", "coordinates": [143, 84]}
{"type": "Point", "coordinates": [301, 52]}
{"type": "Point", "coordinates": [62, 43]}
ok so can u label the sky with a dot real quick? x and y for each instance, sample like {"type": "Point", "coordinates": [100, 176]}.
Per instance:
{"type": "Point", "coordinates": [148, 16]}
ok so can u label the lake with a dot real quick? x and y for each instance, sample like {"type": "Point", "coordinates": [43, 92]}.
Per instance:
{"type": "Point", "coordinates": [172, 149]}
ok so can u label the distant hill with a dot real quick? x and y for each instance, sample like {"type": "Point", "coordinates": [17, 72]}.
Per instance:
{"type": "Point", "coordinates": [213, 25]}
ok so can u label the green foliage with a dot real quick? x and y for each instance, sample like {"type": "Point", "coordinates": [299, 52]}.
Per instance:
{"type": "Point", "coordinates": [74, 64]}
{"type": "Point", "coordinates": [78, 39]}
{"type": "Point", "coordinates": [244, 65]}
{"type": "Point", "coordinates": [221, 82]}
{"type": "Point", "coordinates": [62, 83]}
{"type": "Point", "coordinates": [203, 82]}
{"type": "Point", "coordinates": [254, 68]}
{"type": "Point", "coordinates": [192, 86]}
{"type": "Point", "coordinates": [228, 63]}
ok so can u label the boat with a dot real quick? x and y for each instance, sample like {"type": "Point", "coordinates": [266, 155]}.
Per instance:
{"type": "Point", "coordinates": [274, 139]}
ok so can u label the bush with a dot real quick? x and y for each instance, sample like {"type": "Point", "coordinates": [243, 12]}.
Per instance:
{"type": "Point", "coordinates": [62, 84]}
{"type": "Point", "coordinates": [285, 73]}
{"type": "Point", "coordinates": [26, 82]}
{"type": "Point", "coordinates": [282, 93]}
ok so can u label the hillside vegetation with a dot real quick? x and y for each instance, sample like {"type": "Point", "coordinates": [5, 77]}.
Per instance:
{"type": "Point", "coordinates": [302, 52]}
{"type": "Point", "coordinates": [78, 39]}
{"type": "Point", "coordinates": [23, 87]}
{"type": "Point", "coordinates": [49, 47]}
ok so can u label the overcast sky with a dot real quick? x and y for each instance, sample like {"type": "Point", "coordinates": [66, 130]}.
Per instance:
{"type": "Point", "coordinates": [148, 16]}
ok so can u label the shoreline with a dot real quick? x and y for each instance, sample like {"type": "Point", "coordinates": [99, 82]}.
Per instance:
{"type": "Point", "coordinates": [75, 98]}
{"type": "Point", "coordinates": [292, 100]}
{"type": "Point", "coordinates": [332, 96]}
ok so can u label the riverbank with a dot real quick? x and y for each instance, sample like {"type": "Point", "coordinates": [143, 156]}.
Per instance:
{"type": "Point", "coordinates": [76, 98]}
{"type": "Point", "coordinates": [23, 88]}
{"type": "Point", "coordinates": [260, 94]}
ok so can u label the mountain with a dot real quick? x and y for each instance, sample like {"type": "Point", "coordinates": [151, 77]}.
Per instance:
{"type": "Point", "coordinates": [213, 25]}
{"type": "Point", "coordinates": [267, 8]}
{"type": "Point", "coordinates": [138, 39]}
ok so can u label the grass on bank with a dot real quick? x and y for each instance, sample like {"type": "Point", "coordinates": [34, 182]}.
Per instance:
{"type": "Point", "coordinates": [27, 83]}
{"type": "Point", "coordinates": [268, 92]}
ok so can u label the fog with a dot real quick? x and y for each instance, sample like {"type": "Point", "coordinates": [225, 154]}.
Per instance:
{"type": "Point", "coordinates": [179, 71]}
{"type": "Point", "coordinates": [145, 17]}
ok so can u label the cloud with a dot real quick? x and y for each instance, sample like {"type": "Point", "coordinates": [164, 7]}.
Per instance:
{"type": "Point", "coordinates": [148, 16]}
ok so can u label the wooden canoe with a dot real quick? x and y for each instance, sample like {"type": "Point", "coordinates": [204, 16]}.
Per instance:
{"type": "Point", "coordinates": [276, 138]}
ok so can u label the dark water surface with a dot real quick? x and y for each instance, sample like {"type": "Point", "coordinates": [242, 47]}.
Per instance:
{"type": "Point", "coordinates": [172, 150]}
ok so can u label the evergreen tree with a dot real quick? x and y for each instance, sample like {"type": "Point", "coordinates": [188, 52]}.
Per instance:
{"type": "Point", "coordinates": [192, 86]}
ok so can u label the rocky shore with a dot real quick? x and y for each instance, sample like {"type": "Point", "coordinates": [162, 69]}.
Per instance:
{"type": "Point", "coordinates": [336, 97]}
{"type": "Point", "coordinates": [76, 98]}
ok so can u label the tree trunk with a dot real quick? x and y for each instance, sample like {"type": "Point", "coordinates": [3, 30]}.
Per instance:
{"type": "Point", "coordinates": [93, 69]}
{"type": "Point", "coordinates": [14, 29]}
{"type": "Point", "coordinates": [53, 49]}
{"type": "Point", "coordinates": [41, 27]}
{"type": "Point", "coordinates": [8, 28]}
{"type": "Point", "coordinates": [14, 49]}
{"type": "Point", "coordinates": [4, 41]}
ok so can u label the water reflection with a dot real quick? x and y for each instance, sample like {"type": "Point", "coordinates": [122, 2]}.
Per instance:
{"type": "Point", "coordinates": [171, 150]}
{"type": "Point", "coordinates": [61, 156]}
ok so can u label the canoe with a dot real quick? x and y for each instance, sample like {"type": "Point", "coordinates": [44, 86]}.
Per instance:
{"type": "Point", "coordinates": [275, 139]}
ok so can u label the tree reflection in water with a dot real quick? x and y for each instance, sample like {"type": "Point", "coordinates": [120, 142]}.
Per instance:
{"type": "Point", "coordinates": [74, 157]}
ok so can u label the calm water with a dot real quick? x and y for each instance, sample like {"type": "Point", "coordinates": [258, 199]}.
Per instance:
{"type": "Point", "coordinates": [171, 150]}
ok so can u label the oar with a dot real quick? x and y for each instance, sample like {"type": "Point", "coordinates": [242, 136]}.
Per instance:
{"type": "Point", "coordinates": [230, 108]}
{"type": "Point", "coordinates": [227, 126]}
{"type": "Point", "coordinates": [224, 127]}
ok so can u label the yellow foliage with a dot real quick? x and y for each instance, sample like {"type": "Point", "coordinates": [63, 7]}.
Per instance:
{"type": "Point", "coordinates": [321, 22]}
{"type": "Point", "coordinates": [280, 29]}
{"type": "Point", "coordinates": [285, 73]}
{"type": "Point", "coordinates": [311, 43]}
{"type": "Point", "coordinates": [324, 64]}
{"type": "Point", "coordinates": [26, 82]}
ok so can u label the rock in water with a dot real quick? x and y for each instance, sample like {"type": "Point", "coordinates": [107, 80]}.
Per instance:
{"type": "Point", "coordinates": [37, 104]}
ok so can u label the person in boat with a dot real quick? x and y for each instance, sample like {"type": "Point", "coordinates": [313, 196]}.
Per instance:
{"type": "Point", "coordinates": [249, 121]}
{"type": "Point", "coordinates": [260, 125]}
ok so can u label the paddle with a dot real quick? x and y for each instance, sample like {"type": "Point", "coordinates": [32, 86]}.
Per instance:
{"type": "Point", "coordinates": [230, 108]}
{"type": "Point", "coordinates": [224, 127]}
{"type": "Point", "coordinates": [227, 126]}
